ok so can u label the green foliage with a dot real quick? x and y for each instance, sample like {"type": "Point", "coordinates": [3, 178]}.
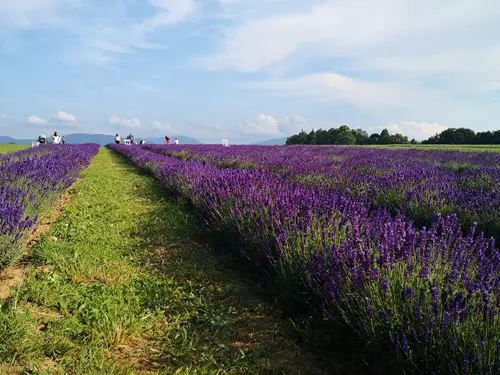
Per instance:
{"type": "Point", "coordinates": [463, 136]}
{"type": "Point", "coordinates": [14, 334]}
{"type": "Point", "coordinates": [345, 136]}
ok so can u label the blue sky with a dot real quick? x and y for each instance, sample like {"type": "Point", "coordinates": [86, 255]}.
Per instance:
{"type": "Point", "coordinates": [248, 70]}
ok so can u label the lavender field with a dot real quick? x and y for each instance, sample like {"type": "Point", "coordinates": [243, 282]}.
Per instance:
{"type": "Point", "coordinates": [416, 183]}
{"type": "Point", "coordinates": [30, 180]}
{"type": "Point", "coordinates": [398, 245]}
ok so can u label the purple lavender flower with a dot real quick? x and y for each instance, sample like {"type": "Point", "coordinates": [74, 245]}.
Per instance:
{"type": "Point", "coordinates": [29, 179]}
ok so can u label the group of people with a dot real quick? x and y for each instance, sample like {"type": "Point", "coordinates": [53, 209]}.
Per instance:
{"type": "Point", "coordinates": [167, 140]}
{"type": "Point", "coordinates": [131, 140]}
{"type": "Point", "coordinates": [56, 139]}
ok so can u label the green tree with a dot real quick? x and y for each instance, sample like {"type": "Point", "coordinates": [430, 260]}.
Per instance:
{"type": "Point", "coordinates": [385, 137]}
{"type": "Point", "coordinates": [374, 139]}
{"type": "Point", "coordinates": [346, 137]}
{"type": "Point", "coordinates": [453, 136]}
{"type": "Point", "coordinates": [311, 138]}
{"type": "Point", "coordinates": [323, 137]}
{"type": "Point", "coordinates": [464, 136]}
{"type": "Point", "coordinates": [399, 139]}
{"type": "Point", "coordinates": [297, 139]}
{"type": "Point", "coordinates": [362, 137]}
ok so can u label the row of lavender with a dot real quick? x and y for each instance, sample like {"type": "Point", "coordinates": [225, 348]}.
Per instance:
{"type": "Point", "coordinates": [430, 295]}
{"type": "Point", "coordinates": [29, 181]}
{"type": "Point", "coordinates": [418, 183]}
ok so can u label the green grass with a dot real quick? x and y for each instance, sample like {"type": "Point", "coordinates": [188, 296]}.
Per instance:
{"type": "Point", "coordinates": [124, 284]}
{"type": "Point", "coordinates": [9, 148]}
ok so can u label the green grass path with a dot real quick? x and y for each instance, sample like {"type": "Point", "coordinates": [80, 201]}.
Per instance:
{"type": "Point", "coordinates": [10, 148]}
{"type": "Point", "coordinates": [120, 285]}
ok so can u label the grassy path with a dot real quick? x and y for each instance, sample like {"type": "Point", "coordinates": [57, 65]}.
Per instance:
{"type": "Point", "coordinates": [10, 148]}
{"type": "Point", "coordinates": [119, 285]}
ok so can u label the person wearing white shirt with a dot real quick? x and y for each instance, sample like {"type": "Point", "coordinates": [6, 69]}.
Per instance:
{"type": "Point", "coordinates": [56, 139]}
{"type": "Point", "coordinates": [176, 141]}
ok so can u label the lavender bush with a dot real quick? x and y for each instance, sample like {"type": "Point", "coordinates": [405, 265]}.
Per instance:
{"type": "Point", "coordinates": [431, 295]}
{"type": "Point", "coordinates": [415, 182]}
{"type": "Point", "coordinates": [30, 180]}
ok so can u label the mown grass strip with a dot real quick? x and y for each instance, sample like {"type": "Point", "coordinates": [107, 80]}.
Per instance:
{"type": "Point", "coordinates": [10, 148]}
{"type": "Point", "coordinates": [122, 285]}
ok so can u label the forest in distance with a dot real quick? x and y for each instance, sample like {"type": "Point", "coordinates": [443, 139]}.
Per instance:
{"type": "Point", "coordinates": [344, 135]}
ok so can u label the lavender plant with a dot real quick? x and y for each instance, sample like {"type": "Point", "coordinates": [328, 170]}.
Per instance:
{"type": "Point", "coordinates": [415, 182]}
{"type": "Point", "coordinates": [30, 180]}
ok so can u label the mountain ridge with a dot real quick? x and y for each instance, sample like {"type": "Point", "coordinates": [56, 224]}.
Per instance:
{"type": "Point", "coordinates": [272, 142]}
{"type": "Point", "coordinates": [101, 139]}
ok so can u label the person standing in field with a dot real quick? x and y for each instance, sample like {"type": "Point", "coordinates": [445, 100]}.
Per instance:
{"type": "Point", "coordinates": [41, 139]}
{"type": "Point", "coordinates": [117, 139]}
{"type": "Point", "coordinates": [176, 141]}
{"type": "Point", "coordinates": [56, 139]}
{"type": "Point", "coordinates": [167, 140]}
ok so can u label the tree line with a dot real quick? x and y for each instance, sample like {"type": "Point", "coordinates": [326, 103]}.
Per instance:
{"type": "Point", "coordinates": [463, 136]}
{"type": "Point", "coordinates": [347, 136]}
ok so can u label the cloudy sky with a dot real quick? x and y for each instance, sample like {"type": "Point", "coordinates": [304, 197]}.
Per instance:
{"type": "Point", "coordinates": [248, 70]}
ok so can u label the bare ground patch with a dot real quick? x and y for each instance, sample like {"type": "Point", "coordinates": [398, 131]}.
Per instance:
{"type": "Point", "coordinates": [9, 278]}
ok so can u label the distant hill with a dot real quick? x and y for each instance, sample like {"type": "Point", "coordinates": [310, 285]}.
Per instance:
{"type": "Point", "coordinates": [101, 139]}
{"type": "Point", "coordinates": [4, 139]}
{"type": "Point", "coordinates": [79, 138]}
{"type": "Point", "coordinates": [273, 142]}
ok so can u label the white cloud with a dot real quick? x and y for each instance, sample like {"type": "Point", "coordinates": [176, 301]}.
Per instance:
{"type": "Point", "coordinates": [290, 125]}
{"type": "Point", "coordinates": [412, 129]}
{"type": "Point", "coordinates": [404, 43]}
{"type": "Point", "coordinates": [160, 126]}
{"type": "Point", "coordinates": [265, 125]}
{"type": "Point", "coordinates": [27, 14]}
{"type": "Point", "coordinates": [35, 120]}
{"type": "Point", "coordinates": [128, 123]}
{"type": "Point", "coordinates": [3, 116]}
{"type": "Point", "coordinates": [262, 125]}
{"type": "Point", "coordinates": [114, 120]}
{"type": "Point", "coordinates": [101, 42]}
{"type": "Point", "coordinates": [349, 28]}
{"type": "Point", "coordinates": [268, 126]}
{"type": "Point", "coordinates": [61, 116]}
{"type": "Point", "coordinates": [170, 12]}
{"type": "Point", "coordinates": [474, 69]}
{"type": "Point", "coordinates": [336, 87]}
